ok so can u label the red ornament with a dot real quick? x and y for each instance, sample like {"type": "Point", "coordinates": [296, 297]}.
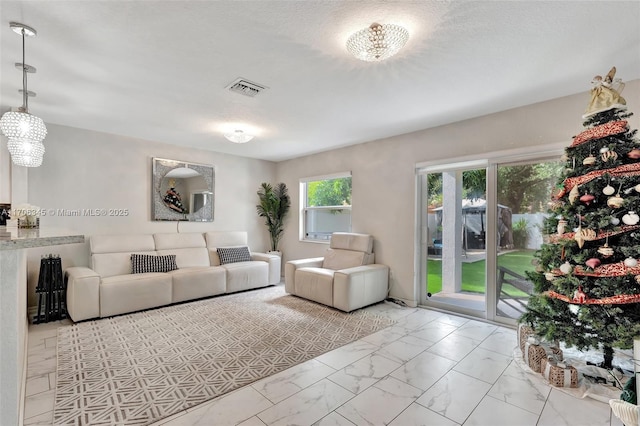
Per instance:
{"type": "Point", "coordinates": [634, 154]}
{"type": "Point", "coordinates": [579, 296]}
{"type": "Point", "coordinates": [593, 262]}
{"type": "Point", "coordinates": [587, 198]}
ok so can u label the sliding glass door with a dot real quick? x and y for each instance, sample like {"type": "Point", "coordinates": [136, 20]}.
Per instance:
{"type": "Point", "coordinates": [481, 224]}
{"type": "Point", "coordinates": [523, 191]}
{"type": "Point", "coordinates": [456, 229]}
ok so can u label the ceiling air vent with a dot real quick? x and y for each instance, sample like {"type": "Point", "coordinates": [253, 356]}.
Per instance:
{"type": "Point", "coordinates": [246, 87]}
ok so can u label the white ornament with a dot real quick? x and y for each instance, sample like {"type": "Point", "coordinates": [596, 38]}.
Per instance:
{"type": "Point", "coordinates": [631, 218]}
{"type": "Point", "coordinates": [566, 268]}
{"type": "Point", "coordinates": [630, 262]}
{"type": "Point", "coordinates": [615, 221]}
{"type": "Point", "coordinates": [608, 190]}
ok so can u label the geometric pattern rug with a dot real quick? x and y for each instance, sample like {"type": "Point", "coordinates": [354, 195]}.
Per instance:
{"type": "Point", "coordinates": [138, 368]}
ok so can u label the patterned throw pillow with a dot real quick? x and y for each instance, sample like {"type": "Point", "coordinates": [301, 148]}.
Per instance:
{"type": "Point", "coordinates": [141, 263]}
{"type": "Point", "coordinates": [234, 254]}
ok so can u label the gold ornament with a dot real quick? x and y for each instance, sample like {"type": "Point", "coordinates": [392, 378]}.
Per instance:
{"type": "Point", "coordinates": [609, 156]}
{"type": "Point", "coordinates": [583, 235]}
{"type": "Point", "coordinates": [579, 237]}
{"type": "Point", "coordinates": [589, 161]}
{"type": "Point", "coordinates": [615, 202]}
{"type": "Point", "coordinates": [574, 194]}
{"type": "Point", "coordinates": [605, 250]}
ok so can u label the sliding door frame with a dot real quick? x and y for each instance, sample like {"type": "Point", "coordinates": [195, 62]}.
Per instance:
{"type": "Point", "coordinates": [490, 161]}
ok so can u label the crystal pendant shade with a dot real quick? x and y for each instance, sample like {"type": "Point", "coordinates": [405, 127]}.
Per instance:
{"type": "Point", "coordinates": [25, 132]}
{"type": "Point", "coordinates": [15, 124]}
{"type": "Point", "coordinates": [25, 152]}
{"type": "Point", "coordinates": [378, 42]}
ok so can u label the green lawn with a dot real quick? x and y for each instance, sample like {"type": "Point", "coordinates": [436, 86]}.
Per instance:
{"type": "Point", "coordinates": [473, 274]}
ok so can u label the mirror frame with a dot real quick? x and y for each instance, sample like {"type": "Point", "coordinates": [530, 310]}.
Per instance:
{"type": "Point", "coordinates": [159, 211]}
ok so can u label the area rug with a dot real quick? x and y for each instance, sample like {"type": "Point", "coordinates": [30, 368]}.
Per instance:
{"type": "Point", "coordinates": [139, 368]}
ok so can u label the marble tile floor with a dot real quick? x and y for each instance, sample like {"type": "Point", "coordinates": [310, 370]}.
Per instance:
{"type": "Point", "coordinates": [430, 368]}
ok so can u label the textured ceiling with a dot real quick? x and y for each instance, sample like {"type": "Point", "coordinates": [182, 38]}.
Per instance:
{"type": "Point", "coordinates": [157, 70]}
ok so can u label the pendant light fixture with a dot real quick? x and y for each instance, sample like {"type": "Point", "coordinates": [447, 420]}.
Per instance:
{"type": "Point", "coordinates": [25, 132]}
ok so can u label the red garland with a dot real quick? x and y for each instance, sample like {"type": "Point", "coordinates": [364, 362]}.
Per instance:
{"type": "Point", "coordinates": [554, 238]}
{"type": "Point", "coordinates": [601, 131]}
{"type": "Point", "coordinates": [620, 299]}
{"type": "Point", "coordinates": [608, 270]}
{"type": "Point", "coordinates": [625, 170]}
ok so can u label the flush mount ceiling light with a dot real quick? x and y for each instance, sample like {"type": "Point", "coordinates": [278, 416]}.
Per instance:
{"type": "Point", "coordinates": [238, 136]}
{"type": "Point", "coordinates": [378, 42]}
{"type": "Point", "coordinates": [24, 131]}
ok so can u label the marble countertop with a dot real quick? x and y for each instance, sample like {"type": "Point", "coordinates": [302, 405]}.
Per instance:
{"type": "Point", "coordinates": [13, 238]}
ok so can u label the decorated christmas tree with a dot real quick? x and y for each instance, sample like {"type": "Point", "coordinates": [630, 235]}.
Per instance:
{"type": "Point", "coordinates": [587, 280]}
{"type": "Point", "coordinates": [173, 200]}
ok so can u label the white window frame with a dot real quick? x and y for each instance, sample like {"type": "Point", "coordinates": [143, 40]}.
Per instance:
{"type": "Point", "coordinates": [304, 208]}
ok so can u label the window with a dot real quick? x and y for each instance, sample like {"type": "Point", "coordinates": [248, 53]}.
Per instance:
{"type": "Point", "coordinates": [326, 206]}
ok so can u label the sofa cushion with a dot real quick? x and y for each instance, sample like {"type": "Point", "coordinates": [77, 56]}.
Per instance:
{"type": "Point", "coordinates": [143, 263]}
{"type": "Point", "coordinates": [246, 275]}
{"type": "Point", "coordinates": [194, 283]}
{"type": "Point", "coordinates": [351, 241]}
{"type": "Point", "coordinates": [217, 239]}
{"type": "Point", "coordinates": [341, 259]}
{"type": "Point", "coordinates": [233, 254]}
{"type": "Point", "coordinates": [113, 264]}
{"type": "Point", "coordinates": [129, 293]}
{"type": "Point", "coordinates": [189, 257]}
{"type": "Point", "coordinates": [111, 254]}
{"type": "Point", "coordinates": [315, 284]}
{"type": "Point", "coordinates": [179, 240]}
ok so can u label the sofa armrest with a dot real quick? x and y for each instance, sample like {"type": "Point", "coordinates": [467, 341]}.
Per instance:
{"type": "Point", "coordinates": [360, 286]}
{"type": "Point", "coordinates": [83, 293]}
{"type": "Point", "coordinates": [290, 271]}
{"type": "Point", "coordinates": [275, 265]}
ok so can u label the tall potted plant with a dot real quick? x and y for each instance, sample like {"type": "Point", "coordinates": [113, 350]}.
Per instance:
{"type": "Point", "coordinates": [274, 206]}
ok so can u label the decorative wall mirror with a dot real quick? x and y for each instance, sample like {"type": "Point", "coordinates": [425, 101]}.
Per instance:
{"type": "Point", "coordinates": [182, 191]}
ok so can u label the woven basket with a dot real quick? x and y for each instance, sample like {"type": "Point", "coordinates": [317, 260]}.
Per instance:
{"type": "Point", "coordinates": [558, 376]}
{"type": "Point", "coordinates": [534, 355]}
{"type": "Point", "coordinates": [554, 352]}
{"type": "Point", "coordinates": [524, 331]}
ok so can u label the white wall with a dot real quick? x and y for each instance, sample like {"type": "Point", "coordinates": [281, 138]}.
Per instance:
{"type": "Point", "coordinates": [384, 173]}
{"type": "Point", "coordinates": [90, 170]}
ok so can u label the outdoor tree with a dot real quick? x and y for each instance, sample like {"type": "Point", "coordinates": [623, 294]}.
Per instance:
{"type": "Point", "coordinates": [588, 279]}
{"type": "Point", "coordinates": [523, 188]}
{"type": "Point", "coordinates": [332, 192]}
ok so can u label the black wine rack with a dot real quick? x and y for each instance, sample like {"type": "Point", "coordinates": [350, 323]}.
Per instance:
{"type": "Point", "coordinates": [51, 290]}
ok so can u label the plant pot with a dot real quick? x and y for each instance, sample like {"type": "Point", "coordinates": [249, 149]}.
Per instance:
{"type": "Point", "coordinates": [277, 253]}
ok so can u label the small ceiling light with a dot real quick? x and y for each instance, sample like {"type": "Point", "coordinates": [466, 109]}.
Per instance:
{"type": "Point", "coordinates": [378, 42]}
{"type": "Point", "coordinates": [24, 131]}
{"type": "Point", "coordinates": [238, 136]}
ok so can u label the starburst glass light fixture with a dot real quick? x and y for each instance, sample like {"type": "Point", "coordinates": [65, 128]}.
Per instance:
{"type": "Point", "coordinates": [24, 131]}
{"type": "Point", "coordinates": [238, 136]}
{"type": "Point", "coordinates": [378, 42]}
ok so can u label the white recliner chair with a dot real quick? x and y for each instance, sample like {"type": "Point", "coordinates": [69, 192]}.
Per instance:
{"type": "Point", "coordinates": [345, 278]}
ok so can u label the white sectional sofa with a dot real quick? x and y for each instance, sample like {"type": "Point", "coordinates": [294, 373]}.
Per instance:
{"type": "Point", "coordinates": [110, 288]}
